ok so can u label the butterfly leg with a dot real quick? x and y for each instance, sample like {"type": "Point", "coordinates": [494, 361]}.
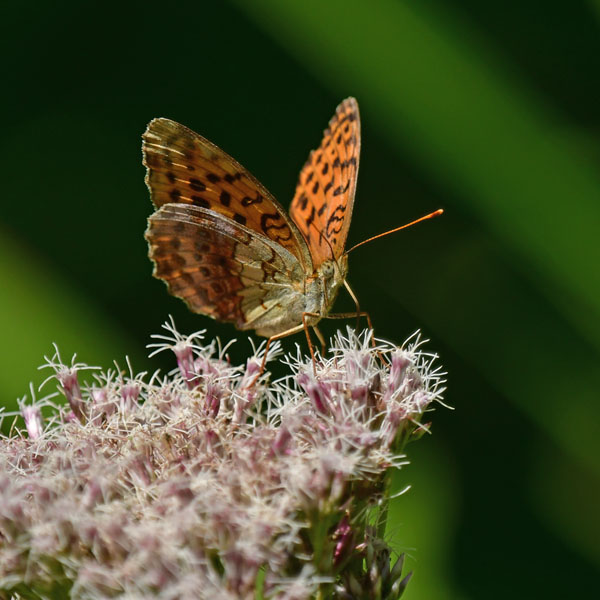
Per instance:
{"type": "Point", "coordinates": [310, 346]}
{"type": "Point", "coordinates": [269, 340]}
{"type": "Point", "coordinates": [321, 339]}
{"type": "Point", "coordinates": [358, 311]}
{"type": "Point", "coordinates": [351, 315]}
{"type": "Point", "coordinates": [278, 336]}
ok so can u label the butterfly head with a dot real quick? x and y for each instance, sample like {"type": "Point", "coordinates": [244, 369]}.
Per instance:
{"type": "Point", "coordinates": [332, 273]}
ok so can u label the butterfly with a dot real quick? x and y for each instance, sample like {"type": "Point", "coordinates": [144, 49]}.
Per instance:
{"type": "Point", "coordinates": [223, 244]}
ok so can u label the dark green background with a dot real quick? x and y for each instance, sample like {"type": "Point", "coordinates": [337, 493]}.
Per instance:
{"type": "Point", "coordinates": [487, 109]}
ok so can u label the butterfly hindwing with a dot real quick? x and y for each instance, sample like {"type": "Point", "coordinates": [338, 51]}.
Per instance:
{"type": "Point", "coordinates": [222, 269]}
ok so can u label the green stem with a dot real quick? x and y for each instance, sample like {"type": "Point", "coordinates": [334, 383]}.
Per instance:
{"type": "Point", "coordinates": [383, 515]}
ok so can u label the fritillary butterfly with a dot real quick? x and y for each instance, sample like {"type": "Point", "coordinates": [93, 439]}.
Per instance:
{"type": "Point", "coordinates": [223, 244]}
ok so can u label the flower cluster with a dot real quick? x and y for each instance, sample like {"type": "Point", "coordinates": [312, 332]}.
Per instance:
{"type": "Point", "coordinates": [211, 482]}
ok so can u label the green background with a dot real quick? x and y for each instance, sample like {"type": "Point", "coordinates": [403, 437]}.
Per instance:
{"type": "Point", "coordinates": [486, 109]}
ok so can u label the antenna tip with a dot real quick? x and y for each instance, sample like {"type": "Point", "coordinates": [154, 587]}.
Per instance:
{"type": "Point", "coordinates": [439, 211]}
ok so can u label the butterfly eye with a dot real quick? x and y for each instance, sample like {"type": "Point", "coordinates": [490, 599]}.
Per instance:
{"type": "Point", "coordinates": [327, 269]}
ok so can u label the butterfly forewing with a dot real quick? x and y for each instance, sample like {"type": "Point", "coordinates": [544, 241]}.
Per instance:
{"type": "Point", "coordinates": [322, 204]}
{"type": "Point", "coordinates": [185, 168]}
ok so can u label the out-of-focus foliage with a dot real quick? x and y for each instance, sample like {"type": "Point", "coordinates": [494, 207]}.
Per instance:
{"type": "Point", "coordinates": [488, 110]}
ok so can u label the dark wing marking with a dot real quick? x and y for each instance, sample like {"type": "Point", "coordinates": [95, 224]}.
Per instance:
{"type": "Point", "coordinates": [185, 168]}
{"type": "Point", "coordinates": [324, 198]}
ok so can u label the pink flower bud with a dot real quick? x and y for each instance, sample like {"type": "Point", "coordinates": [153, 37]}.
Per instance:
{"type": "Point", "coordinates": [33, 421]}
{"type": "Point", "coordinates": [70, 387]}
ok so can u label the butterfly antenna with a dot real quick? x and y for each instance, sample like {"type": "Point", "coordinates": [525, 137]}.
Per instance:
{"type": "Point", "coordinates": [375, 237]}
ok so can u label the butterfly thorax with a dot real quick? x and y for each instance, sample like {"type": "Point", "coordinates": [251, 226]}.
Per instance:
{"type": "Point", "coordinates": [322, 289]}
{"type": "Point", "coordinates": [314, 294]}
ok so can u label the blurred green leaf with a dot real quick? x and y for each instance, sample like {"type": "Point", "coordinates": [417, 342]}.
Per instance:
{"type": "Point", "coordinates": [39, 308]}
{"type": "Point", "coordinates": [595, 4]}
{"type": "Point", "coordinates": [437, 90]}
{"type": "Point", "coordinates": [565, 495]}
{"type": "Point", "coordinates": [422, 519]}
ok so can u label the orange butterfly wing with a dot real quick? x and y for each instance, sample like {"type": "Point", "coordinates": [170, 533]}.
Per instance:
{"type": "Point", "coordinates": [225, 270]}
{"type": "Point", "coordinates": [324, 198]}
{"type": "Point", "coordinates": [218, 238]}
{"type": "Point", "coordinates": [183, 167]}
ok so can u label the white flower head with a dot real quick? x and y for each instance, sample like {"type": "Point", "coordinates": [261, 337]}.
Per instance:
{"type": "Point", "coordinates": [209, 476]}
